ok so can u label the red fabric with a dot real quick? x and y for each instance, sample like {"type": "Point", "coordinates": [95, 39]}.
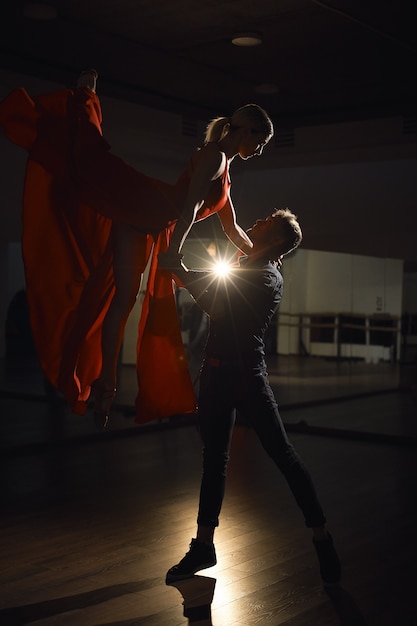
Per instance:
{"type": "Point", "coordinates": [165, 387]}
{"type": "Point", "coordinates": [74, 188]}
{"type": "Point", "coordinates": [65, 246]}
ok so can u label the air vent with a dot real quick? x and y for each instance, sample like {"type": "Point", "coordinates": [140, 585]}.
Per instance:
{"type": "Point", "coordinates": [284, 137]}
{"type": "Point", "coordinates": [410, 126]}
{"type": "Point", "coordinates": [190, 127]}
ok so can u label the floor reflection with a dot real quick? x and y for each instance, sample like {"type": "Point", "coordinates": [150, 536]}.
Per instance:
{"type": "Point", "coordinates": [197, 593]}
{"type": "Point", "coordinates": [346, 607]}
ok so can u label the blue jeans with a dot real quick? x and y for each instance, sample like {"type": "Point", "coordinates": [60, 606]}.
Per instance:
{"type": "Point", "coordinates": [224, 388]}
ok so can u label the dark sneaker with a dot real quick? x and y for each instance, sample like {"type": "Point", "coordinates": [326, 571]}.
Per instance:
{"type": "Point", "coordinates": [200, 556]}
{"type": "Point", "coordinates": [330, 569]}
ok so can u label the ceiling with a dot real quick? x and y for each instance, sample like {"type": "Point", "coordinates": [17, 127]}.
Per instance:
{"type": "Point", "coordinates": [330, 61]}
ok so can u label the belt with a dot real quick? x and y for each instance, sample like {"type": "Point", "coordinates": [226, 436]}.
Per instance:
{"type": "Point", "coordinates": [233, 362]}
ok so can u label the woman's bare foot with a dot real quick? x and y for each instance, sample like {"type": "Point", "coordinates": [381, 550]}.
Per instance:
{"type": "Point", "coordinates": [88, 78]}
{"type": "Point", "coordinates": [103, 398]}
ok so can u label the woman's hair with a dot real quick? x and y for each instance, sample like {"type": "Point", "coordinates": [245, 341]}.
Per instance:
{"type": "Point", "coordinates": [250, 116]}
{"type": "Point", "coordinates": [290, 228]}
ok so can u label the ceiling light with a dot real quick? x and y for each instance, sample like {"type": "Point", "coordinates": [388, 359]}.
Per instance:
{"type": "Point", "coordinates": [247, 39]}
{"type": "Point", "coordinates": [266, 88]}
{"type": "Point", "coordinates": [39, 11]}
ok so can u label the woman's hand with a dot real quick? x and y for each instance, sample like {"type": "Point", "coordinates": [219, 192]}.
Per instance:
{"type": "Point", "coordinates": [170, 261]}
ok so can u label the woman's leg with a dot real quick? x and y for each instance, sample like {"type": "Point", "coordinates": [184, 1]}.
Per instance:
{"type": "Point", "coordinates": [130, 255]}
{"type": "Point", "coordinates": [107, 183]}
{"type": "Point", "coordinates": [130, 250]}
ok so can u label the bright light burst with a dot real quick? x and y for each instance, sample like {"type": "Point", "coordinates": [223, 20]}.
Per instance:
{"type": "Point", "coordinates": [222, 268]}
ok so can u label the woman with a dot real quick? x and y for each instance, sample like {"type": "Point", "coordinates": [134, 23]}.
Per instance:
{"type": "Point", "coordinates": [106, 219]}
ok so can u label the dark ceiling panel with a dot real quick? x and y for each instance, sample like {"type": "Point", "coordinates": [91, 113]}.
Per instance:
{"type": "Point", "coordinates": [331, 61]}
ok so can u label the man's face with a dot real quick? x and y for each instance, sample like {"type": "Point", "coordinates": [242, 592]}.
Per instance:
{"type": "Point", "coordinates": [267, 236]}
{"type": "Point", "coordinates": [265, 230]}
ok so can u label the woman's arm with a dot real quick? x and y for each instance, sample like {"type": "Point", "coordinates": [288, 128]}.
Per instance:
{"type": "Point", "coordinates": [209, 166]}
{"type": "Point", "coordinates": [236, 234]}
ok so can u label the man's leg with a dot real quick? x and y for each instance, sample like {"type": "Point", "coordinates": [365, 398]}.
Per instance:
{"type": "Point", "coordinates": [216, 419]}
{"type": "Point", "coordinates": [258, 406]}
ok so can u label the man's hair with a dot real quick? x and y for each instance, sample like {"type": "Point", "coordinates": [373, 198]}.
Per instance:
{"type": "Point", "coordinates": [290, 229]}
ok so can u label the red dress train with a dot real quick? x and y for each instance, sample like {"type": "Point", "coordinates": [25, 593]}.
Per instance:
{"type": "Point", "coordinates": [74, 188]}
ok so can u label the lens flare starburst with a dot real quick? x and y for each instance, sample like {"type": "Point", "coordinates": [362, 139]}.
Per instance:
{"type": "Point", "coordinates": [221, 268]}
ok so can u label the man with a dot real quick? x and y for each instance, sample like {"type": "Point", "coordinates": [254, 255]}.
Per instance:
{"type": "Point", "coordinates": [234, 377]}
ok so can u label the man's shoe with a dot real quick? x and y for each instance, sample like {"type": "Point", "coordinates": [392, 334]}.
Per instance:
{"type": "Point", "coordinates": [330, 569]}
{"type": "Point", "coordinates": [200, 556]}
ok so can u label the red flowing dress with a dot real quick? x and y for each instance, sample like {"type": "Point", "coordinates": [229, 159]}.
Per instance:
{"type": "Point", "coordinates": [74, 188]}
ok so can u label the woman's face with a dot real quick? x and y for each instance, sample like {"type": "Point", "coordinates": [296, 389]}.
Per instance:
{"type": "Point", "coordinates": [252, 143]}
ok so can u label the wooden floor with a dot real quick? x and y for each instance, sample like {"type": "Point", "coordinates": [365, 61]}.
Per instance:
{"type": "Point", "coordinates": [92, 521]}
